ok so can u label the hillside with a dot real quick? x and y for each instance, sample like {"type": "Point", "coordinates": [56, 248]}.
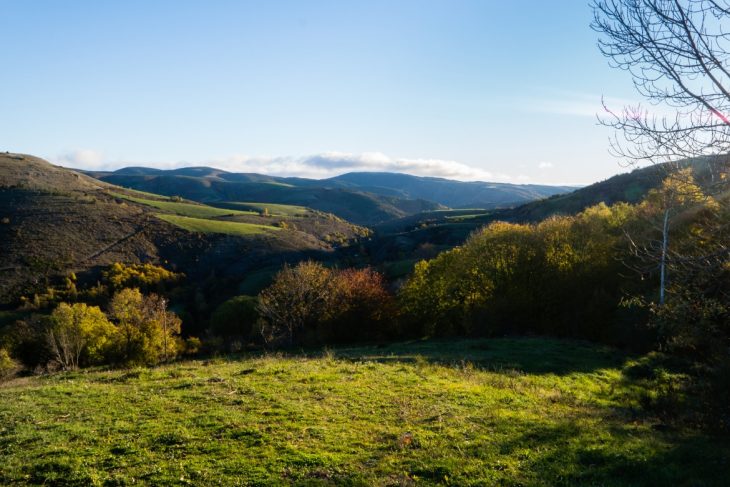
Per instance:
{"type": "Point", "coordinates": [480, 412]}
{"type": "Point", "coordinates": [628, 187]}
{"type": "Point", "coordinates": [454, 194]}
{"type": "Point", "coordinates": [404, 239]}
{"type": "Point", "coordinates": [212, 186]}
{"type": "Point", "coordinates": [54, 221]}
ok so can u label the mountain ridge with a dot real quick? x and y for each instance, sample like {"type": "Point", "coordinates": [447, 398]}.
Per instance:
{"type": "Point", "coordinates": [362, 197]}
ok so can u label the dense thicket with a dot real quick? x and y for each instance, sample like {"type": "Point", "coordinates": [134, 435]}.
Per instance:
{"type": "Point", "coordinates": [564, 276]}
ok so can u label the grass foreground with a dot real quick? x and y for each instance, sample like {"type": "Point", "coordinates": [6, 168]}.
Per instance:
{"type": "Point", "coordinates": [481, 412]}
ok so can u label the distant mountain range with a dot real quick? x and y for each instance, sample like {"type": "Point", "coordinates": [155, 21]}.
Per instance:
{"type": "Point", "coordinates": [454, 194]}
{"type": "Point", "coordinates": [362, 197]}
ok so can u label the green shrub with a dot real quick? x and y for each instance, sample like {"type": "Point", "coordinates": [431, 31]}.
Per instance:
{"type": "Point", "coordinates": [142, 276]}
{"type": "Point", "coordinates": [235, 318]}
{"type": "Point", "coordinates": [192, 345]}
{"type": "Point", "coordinates": [7, 364]}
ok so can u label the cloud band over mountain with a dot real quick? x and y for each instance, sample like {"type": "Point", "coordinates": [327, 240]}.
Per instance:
{"type": "Point", "coordinates": [321, 165]}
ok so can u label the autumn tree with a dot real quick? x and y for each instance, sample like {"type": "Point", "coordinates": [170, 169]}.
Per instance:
{"type": "Point", "coordinates": [362, 308]}
{"type": "Point", "coordinates": [296, 301]}
{"type": "Point", "coordinates": [143, 276]}
{"type": "Point", "coordinates": [677, 193]}
{"type": "Point", "coordinates": [79, 335]}
{"type": "Point", "coordinates": [310, 303]}
{"type": "Point", "coordinates": [677, 53]}
{"type": "Point", "coordinates": [147, 329]}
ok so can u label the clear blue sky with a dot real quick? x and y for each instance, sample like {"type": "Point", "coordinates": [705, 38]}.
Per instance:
{"type": "Point", "coordinates": [470, 89]}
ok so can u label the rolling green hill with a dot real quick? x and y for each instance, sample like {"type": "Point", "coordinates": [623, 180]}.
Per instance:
{"type": "Point", "coordinates": [365, 198]}
{"type": "Point", "coordinates": [203, 225]}
{"type": "Point", "coordinates": [193, 210]}
{"type": "Point", "coordinates": [209, 186]}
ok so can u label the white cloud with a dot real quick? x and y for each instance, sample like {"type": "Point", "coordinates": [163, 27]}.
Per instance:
{"type": "Point", "coordinates": [329, 164]}
{"type": "Point", "coordinates": [545, 165]}
{"type": "Point", "coordinates": [82, 159]}
{"type": "Point", "coordinates": [321, 165]}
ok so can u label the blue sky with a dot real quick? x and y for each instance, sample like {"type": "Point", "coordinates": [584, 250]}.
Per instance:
{"type": "Point", "coordinates": [490, 90]}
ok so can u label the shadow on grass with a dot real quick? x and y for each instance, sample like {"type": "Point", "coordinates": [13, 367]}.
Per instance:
{"type": "Point", "coordinates": [564, 453]}
{"type": "Point", "coordinates": [517, 355]}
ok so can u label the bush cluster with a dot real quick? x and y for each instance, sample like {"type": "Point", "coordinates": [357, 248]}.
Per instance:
{"type": "Point", "coordinates": [311, 304]}
{"type": "Point", "coordinates": [136, 330]}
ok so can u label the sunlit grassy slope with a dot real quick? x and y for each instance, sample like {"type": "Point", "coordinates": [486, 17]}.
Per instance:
{"type": "Point", "coordinates": [272, 208]}
{"type": "Point", "coordinates": [186, 209]}
{"type": "Point", "coordinates": [216, 226]}
{"type": "Point", "coordinates": [200, 218]}
{"type": "Point", "coordinates": [490, 412]}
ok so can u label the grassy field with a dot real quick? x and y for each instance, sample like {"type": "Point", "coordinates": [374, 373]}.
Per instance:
{"type": "Point", "coordinates": [216, 226]}
{"type": "Point", "coordinates": [273, 208]}
{"type": "Point", "coordinates": [488, 412]}
{"type": "Point", "coordinates": [466, 217]}
{"type": "Point", "coordinates": [186, 209]}
{"type": "Point", "coordinates": [140, 194]}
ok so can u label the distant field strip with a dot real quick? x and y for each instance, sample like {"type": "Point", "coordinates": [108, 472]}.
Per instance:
{"type": "Point", "coordinates": [467, 217]}
{"type": "Point", "coordinates": [216, 226]}
{"type": "Point", "coordinates": [273, 208]}
{"type": "Point", "coordinates": [186, 209]}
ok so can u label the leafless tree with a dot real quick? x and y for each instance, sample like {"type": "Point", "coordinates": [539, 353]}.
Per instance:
{"type": "Point", "coordinates": [678, 55]}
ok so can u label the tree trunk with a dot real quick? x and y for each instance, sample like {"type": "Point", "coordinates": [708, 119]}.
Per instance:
{"type": "Point", "coordinates": [663, 265]}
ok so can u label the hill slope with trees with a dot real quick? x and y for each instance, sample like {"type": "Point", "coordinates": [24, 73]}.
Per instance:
{"type": "Point", "coordinates": [54, 221]}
